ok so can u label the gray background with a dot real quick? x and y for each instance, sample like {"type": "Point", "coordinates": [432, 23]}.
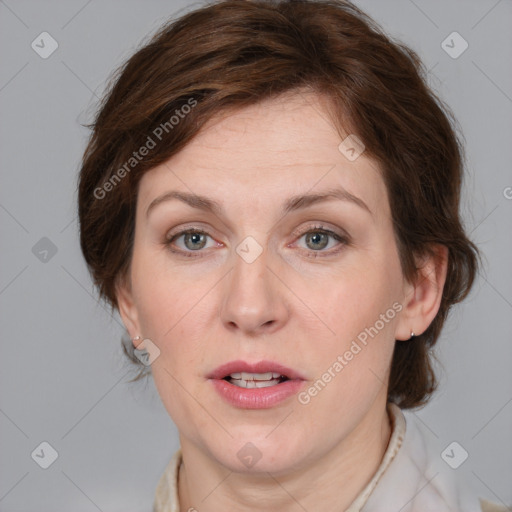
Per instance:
{"type": "Point", "coordinates": [63, 376]}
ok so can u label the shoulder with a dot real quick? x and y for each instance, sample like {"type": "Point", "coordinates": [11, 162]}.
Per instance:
{"type": "Point", "coordinates": [418, 470]}
{"type": "Point", "coordinates": [426, 449]}
{"type": "Point", "coordinates": [488, 506]}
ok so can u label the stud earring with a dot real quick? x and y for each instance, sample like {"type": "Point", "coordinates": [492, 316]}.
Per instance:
{"type": "Point", "coordinates": [412, 334]}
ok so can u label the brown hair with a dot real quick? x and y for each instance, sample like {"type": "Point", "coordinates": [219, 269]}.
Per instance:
{"type": "Point", "coordinates": [233, 54]}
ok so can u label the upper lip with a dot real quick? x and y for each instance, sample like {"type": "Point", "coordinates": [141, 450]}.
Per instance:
{"type": "Point", "coordinates": [259, 367]}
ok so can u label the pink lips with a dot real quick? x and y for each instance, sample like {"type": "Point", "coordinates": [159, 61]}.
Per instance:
{"type": "Point", "coordinates": [255, 398]}
{"type": "Point", "coordinates": [260, 367]}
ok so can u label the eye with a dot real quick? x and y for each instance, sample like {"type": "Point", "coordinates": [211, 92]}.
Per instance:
{"type": "Point", "coordinates": [318, 238]}
{"type": "Point", "coordinates": [194, 240]}
{"type": "Point", "coordinates": [191, 242]}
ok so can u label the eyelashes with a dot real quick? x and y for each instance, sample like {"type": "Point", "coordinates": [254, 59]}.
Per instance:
{"type": "Point", "coordinates": [195, 242]}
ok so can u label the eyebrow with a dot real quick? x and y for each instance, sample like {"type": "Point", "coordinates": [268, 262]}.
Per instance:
{"type": "Point", "coordinates": [294, 203]}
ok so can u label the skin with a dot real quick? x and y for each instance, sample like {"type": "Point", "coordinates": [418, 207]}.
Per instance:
{"type": "Point", "coordinates": [286, 306]}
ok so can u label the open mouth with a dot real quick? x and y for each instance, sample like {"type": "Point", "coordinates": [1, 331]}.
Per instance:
{"type": "Point", "coordinates": [255, 380]}
{"type": "Point", "coordinates": [255, 385]}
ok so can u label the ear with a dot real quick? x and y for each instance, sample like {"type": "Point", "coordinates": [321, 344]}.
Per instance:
{"type": "Point", "coordinates": [127, 308]}
{"type": "Point", "coordinates": [423, 295]}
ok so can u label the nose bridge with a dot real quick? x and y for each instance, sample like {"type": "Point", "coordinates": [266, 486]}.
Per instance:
{"type": "Point", "coordinates": [253, 298]}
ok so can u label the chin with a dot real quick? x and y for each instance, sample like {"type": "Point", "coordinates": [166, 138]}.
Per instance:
{"type": "Point", "coordinates": [262, 453]}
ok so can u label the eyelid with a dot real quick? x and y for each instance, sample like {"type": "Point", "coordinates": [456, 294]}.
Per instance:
{"type": "Point", "coordinates": [320, 226]}
{"type": "Point", "coordinates": [190, 226]}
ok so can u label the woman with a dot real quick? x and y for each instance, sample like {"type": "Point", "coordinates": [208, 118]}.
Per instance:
{"type": "Point", "coordinates": [270, 198]}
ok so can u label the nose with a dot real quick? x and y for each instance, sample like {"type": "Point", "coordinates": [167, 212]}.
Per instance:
{"type": "Point", "coordinates": [255, 299]}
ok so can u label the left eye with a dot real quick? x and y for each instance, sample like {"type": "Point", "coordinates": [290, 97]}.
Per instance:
{"type": "Point", "coordinates": [318, 239]}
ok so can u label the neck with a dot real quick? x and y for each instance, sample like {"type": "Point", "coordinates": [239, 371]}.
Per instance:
{"type": "Point", "coordinates": [335, 479]}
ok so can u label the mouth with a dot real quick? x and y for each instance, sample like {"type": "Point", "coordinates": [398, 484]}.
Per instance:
{"type": "Point", "coordinates": [255, 380]}
{"type": "Point", "coordinates": [261, 385]}
{"type": "Point", "coordinates": [254, 375]}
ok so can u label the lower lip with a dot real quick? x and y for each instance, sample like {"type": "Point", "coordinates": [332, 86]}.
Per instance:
{"type": "Point", "coordinates": [256, 398]}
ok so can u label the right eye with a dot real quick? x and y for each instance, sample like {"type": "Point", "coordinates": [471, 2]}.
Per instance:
{"type": "Point", "coordinates": [194, 240]}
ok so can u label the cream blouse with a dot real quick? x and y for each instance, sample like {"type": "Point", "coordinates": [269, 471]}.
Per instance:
{"type": "Point", "coordinates": [410, 478]}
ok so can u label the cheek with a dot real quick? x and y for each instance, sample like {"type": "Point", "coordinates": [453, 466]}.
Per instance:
{"type": "Point", "coordinates": [164, 297]}
{"type": "Point", "coordinates": [353, 327]}
{"type": "Point", "coordinates": [351, 365]}
{"type": "Point", "coordinates": [176, 316]}
{"type": "Point", "coordinates": [346, 304]}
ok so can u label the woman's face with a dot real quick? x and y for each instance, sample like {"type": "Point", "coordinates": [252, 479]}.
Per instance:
{"type": "Point", "coordinates": [311, 284]}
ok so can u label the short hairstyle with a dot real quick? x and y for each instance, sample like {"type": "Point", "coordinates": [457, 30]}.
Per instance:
{"type": "Point", "coordinates": [232, 54]}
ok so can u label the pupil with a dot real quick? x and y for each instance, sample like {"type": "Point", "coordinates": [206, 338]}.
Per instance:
{"type": "Point", "coordinates": [195, 238]}
{"type": "Point", "coordinates": [315, 239]}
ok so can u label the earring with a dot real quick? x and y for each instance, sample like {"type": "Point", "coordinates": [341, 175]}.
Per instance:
{"type": "Point", "coordinates": [134, 340]}
{"type": "Point", "coordinates": [412, 334]}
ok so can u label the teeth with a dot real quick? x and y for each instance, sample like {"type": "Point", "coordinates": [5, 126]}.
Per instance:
{"type": "Point", "coordinates": [255, 376]}
{"type": "Point", "coordinates": [255, 380]}
{"type": "Point", "coordinates": [254, 383]}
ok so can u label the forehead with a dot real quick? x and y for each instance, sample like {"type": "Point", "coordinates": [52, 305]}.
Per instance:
{"type": "Point", "coordinates": [279, 147]}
